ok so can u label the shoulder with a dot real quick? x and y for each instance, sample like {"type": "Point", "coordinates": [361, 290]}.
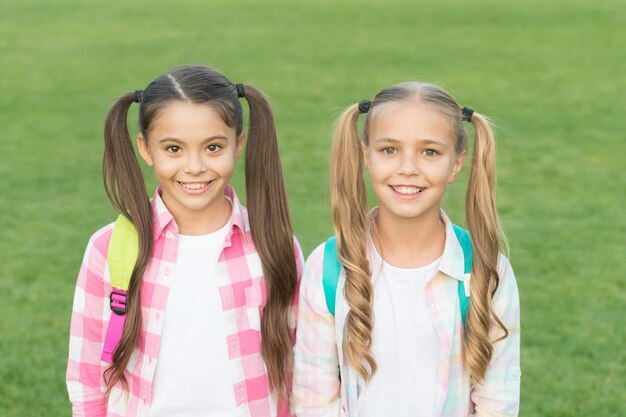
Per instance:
{"type": "Point", "coordinates": [508, 281]}
{"type": "Point", "coordinates": [313, 271]}
{"type": "Point", "coordinates": [312, 294]}
{"type": "Point", "coordinates": [299, 257]}
{"type": "Point", "coordinates": [93, 272]}
{"type": "Point", "coordinates": [297, 249]}
{"type": "Point", "coordinates": [314, 265]}
{"type": "Point", "coordinates": [98, 245]}
{"type": "Point", "coordinates": [506, 298]}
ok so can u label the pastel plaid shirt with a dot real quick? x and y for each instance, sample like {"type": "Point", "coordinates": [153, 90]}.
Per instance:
{"type": "Point", "coordinates": [243, 293]}
{"type": "Point", "coordinates": [319, 359]}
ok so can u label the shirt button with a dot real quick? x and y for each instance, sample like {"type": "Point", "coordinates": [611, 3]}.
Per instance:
{"type": "Point", "coordinates": [431, 306]}
{"type": "Point", "coordinates": [167, 272]}
{"type": "Point", "coordinates": [158, 317]}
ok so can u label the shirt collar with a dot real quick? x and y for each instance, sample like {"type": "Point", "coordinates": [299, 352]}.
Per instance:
{"type": "Point", "coordinates": [162, 218]}
{"type": "Point", "coordinates": [452, 259]}
{"type": "Point", "coordinates": [239, 216]}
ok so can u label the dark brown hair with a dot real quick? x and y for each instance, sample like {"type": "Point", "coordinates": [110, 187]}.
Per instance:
{"type": "Point", "coordinates": [270, 222]}
{"type": "Point", "coordinates": [349, 205]}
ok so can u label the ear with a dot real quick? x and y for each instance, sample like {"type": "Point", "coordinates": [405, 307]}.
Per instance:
{"type": "Point", "coordinates": [241, 141]}
{"type": "Point", "coordinates": [458, 164]}
{"type": "Point", "coordinates": [366, 154]}
{"type": "Point", "coordinates": [142, 146]}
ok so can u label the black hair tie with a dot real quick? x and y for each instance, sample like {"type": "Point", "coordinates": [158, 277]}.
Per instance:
{"type": "Point", "coordinates": [241, 90]}
{"type": "Point", "coordinates": [138, 96]}
{"type": "Point", "coordinates": [467, 114]}
{"type": "Point", "coordinates": [364, 106]}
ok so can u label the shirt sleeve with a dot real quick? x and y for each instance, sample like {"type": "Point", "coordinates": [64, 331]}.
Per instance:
{"type": "Point", "coordinates": [293, 322]}
{"type": "Point", "coordinates": [90, 313]}
{"type": "Point", "coordinates": [284, 407]}
{"type": "Point", "coordinates": [499, 394]}
{"type": "Point", "coordinates": [316, 390]}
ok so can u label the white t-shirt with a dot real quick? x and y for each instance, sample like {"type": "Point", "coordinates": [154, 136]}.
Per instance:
{"type": "Point", "coordinates": [192, 376]}
{"type": "Point", "coordinates": [405, 344]}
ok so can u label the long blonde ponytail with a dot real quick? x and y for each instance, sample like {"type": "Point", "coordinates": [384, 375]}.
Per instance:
{"type": "Point", "coordinates": [488, 241]}
{"type": "Point", "coordinates": [349, 207]}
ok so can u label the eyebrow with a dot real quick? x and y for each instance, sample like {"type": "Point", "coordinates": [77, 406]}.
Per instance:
{"type": "Point", "coordinates": [426, 141]}
{"type": "Point", "coordinates": [176, 140]}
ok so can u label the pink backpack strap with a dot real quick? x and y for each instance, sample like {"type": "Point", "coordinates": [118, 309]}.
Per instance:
{"type": "Point", "coordinates": [116, 324]}
{"type": "Point", "coordinates": [121, 257]}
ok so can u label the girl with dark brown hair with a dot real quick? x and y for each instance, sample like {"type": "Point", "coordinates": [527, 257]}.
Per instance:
{"type": "Point", "coordinates": [210, 308]}
{"type": "Point", "coordinates": [401, 338]}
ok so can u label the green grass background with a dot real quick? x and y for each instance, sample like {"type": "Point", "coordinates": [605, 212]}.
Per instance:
{"type": "Point", "coordinates": [549, 73]}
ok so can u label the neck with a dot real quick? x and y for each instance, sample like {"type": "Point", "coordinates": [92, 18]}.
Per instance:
{"type": "Point", "coordinates": [196, 223]}
{"type": "Point", "coordinates": [409, 243]}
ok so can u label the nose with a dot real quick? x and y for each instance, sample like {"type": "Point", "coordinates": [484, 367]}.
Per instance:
{"type": "Point", "coordinates": [195, 164]}
{"type": "Point", "coordinates": [409, 165]}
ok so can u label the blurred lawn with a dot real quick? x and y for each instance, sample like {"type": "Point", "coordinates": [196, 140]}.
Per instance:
{"type": "Point", "coordinates": [549, 73]}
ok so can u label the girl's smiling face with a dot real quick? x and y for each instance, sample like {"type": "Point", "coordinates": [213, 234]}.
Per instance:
{"type": "Point", "coordinates": [411, 159]}
{"type": "Point", "coordinates": [193, 153]}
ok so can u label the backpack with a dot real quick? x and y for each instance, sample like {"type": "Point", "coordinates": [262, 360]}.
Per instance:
{"type": "Point", "coordinates": [121, 256]}
{"type": "Point", "coordinates": [332, 269]}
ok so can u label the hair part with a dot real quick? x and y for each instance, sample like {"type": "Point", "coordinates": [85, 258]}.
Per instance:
{"type": "Point", "coordinates": [267, 204]}
{"type": "Point", "coordinates": [349, 205]}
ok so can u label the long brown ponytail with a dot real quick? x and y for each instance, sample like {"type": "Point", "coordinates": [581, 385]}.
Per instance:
{"type": "Point", "coordinates": [125, 187]}
{"type": "Point", "coordinates": [349, 203]}
{"type": "Point", "coordinates": [349, 207]}
{"type": "Point", "coordinates": [270, 225]}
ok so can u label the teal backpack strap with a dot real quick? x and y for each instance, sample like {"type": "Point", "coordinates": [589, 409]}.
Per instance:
{"type": "Point", "coordinates": [332, 269]}
{"type": "Point", "coordinates": [464, 239]}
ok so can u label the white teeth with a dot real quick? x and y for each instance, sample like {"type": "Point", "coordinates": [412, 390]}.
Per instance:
{"type": "Point", "coordinates": [408, 190]}
{"type": "Point", "coordinates": [195, 186]}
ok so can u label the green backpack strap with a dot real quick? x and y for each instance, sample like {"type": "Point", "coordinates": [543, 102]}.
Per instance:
{"type": "Point", "coordinates": [123, 252]}
{"type": "Point", "coordinates": [464, 239]}
{"type": "Point", "coordinates": [332, 269]}
{"type": "Point", "coordinates": [121, 256]}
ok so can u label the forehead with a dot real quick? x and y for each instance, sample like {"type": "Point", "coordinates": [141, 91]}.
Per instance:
{"type": "Point", "coordinates": [184, 120]}
{"type": "Point", "coordinates": [410, 121]}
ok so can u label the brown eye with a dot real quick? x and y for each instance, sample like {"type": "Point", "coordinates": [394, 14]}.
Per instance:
{"type": "Point", "coordinates": [214, 147]}
{"type": "Point", "coordinates": [173, 149]}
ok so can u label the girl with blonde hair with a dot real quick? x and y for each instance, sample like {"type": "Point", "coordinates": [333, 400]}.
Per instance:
{"type": "Point", "coordinates": [422, 318]}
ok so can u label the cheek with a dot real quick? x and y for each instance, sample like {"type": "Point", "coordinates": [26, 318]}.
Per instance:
{"type": "Point", "coordinates": [225, 165]}
{"type": "Point", "coordinates": [380, 167]}
{"type": "Point", "coordinates": [164, 166]}
{"type": "Point", "coordinates": [375, 174]}
{"type": "Point", "coordinates": [440, 170]}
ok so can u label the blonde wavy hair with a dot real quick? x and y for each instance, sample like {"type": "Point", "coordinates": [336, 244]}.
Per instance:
{"type": "Point", "coordinates": [349, 208]}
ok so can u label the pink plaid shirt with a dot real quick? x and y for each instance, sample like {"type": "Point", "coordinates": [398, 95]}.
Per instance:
{"type": "Point", "coordinates": [243, 292]}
